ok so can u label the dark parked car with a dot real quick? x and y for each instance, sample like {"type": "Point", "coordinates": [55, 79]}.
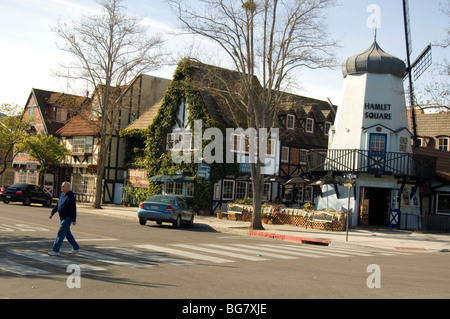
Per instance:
{"type": "Point", "coordinates": [165, 208]}
{"type": "Point", "coordinates": [25, 193]}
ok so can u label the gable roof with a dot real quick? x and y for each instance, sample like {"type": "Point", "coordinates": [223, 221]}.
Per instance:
{"type": "Point", "coordinates": [146, 118]}
{"type": "Point", "coordinates": [214, 85]}
{"type": "Point", "coordinates": [80, 126]}
{"type": "Point", "coordinates": [47, 101]}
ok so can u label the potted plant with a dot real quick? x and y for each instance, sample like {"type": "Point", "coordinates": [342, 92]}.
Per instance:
{"type": "Point", "coordinates": [308, 206]}
{"type": "Point", "coordinates": [219, 213]}
{"type": "Point", "coordinates": [266, 215]}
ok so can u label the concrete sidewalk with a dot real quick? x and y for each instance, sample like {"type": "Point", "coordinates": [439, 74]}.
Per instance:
{"type": "Point", "coordinates": [383, 238]}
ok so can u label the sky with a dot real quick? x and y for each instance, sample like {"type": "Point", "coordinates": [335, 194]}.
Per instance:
{"type": "Point", "coordinates": [28, 51]}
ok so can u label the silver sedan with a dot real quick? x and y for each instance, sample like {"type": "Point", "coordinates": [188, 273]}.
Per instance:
{"type": "Point", "coordinates": [165, 208]}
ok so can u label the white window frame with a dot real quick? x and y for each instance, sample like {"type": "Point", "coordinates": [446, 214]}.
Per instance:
{"type": "Point", "coordinates": [303, 158]}
{"type": "Point", "coordinates": [266, 192]}
{"type": "Point", "coordinates": [284, 154]}
{"type": "Point", "coordinates": [290, 122]}
{"type": "Point", "coordinates": [189, 189]}
{"type": "Point", "coordinates": [174, 138]}
{"type": "Point", "coordinates": [403, 144]}
{"type": "Point", "coordinates": [228, 185]}
{"type": "Point", "coordinates": [309, 125]}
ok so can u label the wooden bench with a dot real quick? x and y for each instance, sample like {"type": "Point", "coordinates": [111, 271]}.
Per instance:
{"type": "Point", "coordinates": [323, 218]}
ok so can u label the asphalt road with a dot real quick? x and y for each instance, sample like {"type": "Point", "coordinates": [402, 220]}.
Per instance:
{"type": "Point", "coordinates": [121, 259]}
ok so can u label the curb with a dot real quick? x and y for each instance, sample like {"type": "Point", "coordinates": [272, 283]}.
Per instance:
{"type": "Point", "coordinates": [302, 240]}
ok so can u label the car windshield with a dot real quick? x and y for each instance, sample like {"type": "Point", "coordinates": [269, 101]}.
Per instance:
{"type": "Point", "coordinates": [161, 199]}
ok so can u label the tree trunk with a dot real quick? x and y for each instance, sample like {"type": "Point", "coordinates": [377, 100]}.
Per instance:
{"type": "Point", "coordinates": [257, 179]}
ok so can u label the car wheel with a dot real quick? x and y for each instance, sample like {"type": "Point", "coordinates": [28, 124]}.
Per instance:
{"type": "Point", "coordinates": [6, 201]}
{"type": "Point", "coordinates": [142, 221]}
{"type": "Point", "coordinates": [177, 223]}
{"type": "Point", "coordinates": [27, 201]}
{"type": "Point", "coordinates": [191, 221]}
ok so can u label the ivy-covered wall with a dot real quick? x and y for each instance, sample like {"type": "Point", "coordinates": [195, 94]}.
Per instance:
{"type": "Point", "coordinates": [155, 159]}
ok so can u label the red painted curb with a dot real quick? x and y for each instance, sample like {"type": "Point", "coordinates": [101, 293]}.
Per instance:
{"type": "Point", "coordinates": [290, 238]}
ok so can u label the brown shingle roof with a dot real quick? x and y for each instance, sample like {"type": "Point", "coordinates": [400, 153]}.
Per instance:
{"type": "Point", "coordinates": [80, 125]}
{"type": "Point", "coordinates": [433, 124]}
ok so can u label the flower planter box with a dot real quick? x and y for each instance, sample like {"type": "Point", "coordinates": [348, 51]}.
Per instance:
{"type": "Point", "coordinates": [290, 216]}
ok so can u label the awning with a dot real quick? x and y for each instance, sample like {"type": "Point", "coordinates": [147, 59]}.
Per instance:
{"type": "Point", "coordinates": [172, 178]}
{"type": "Point", "coordinates": [296, 180]}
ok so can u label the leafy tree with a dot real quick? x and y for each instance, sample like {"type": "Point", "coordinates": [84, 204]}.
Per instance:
{"type": "Point", "coordinates": [268, 39]}
{"type": "Point", "coordinates": [12, 132]}
{"type": "Point", "coordinates": [46, 149]}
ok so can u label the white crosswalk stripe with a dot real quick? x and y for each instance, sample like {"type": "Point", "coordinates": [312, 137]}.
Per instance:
{"type": "Point", "coordinates": [149, 255]}
{"type": "Point", "coordinates": [113, 260]}
{"type": "Point", "coordinates": [219, 252]}
{"type": "Point", "coordinates": [56, 261]}
{"type": "Point", "coordinates": [185, 253]}
{"type": "Point", "coordinates": [146, 256]}
{"type": "Point", "coordinates": [20, 269]}
{"type": "Point", "coordinates": [255, 251]}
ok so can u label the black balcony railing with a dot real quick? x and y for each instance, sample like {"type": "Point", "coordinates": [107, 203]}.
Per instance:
{"type": "Point", "coordinates": [363, 161]}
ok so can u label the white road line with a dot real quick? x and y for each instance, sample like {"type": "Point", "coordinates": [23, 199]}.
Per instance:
{"type": "Point", "coordinates": [369, 250]}
{"type": "Point", "coordinates": [256, 250]}
{"type": "Point", "coordinates": [219, 252]}
{"type": "Point", "coordinates": [184, 253]}
{"type": "Point", "coordinates": [19, 269]}
{"type": "Point", "coordinates": [147, 256]}
{"type": "Point", "coordinates": [54, 260]}
{"type": "Point", "coordinates": [332, 250]}
{"type": "Point", "coordinates": [52, 240]}
{"type": "Point", "coordinates": [278, 249]}
{"type": "Point", "coordinates": [112, 260]}
{"type": "Point", "coordinates": [314, 251]}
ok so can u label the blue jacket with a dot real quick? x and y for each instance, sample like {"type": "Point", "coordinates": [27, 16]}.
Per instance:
{"type": "Point", "coordinates": [66, 206]}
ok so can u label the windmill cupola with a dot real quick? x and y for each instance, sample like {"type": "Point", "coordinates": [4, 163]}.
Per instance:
{"type": "Point", "coordinates": [374, 60]}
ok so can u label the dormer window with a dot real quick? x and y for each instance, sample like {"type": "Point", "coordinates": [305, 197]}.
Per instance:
{"type": "Point", "coordinates": [309, 125]}
{"type": "Point", "coordinates": [443, 143]}
{"type": "Point", "coordinates": [290, 121]}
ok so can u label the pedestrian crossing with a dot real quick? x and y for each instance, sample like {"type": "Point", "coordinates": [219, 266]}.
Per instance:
{"type": "Point", "coordinates": [36, 263]}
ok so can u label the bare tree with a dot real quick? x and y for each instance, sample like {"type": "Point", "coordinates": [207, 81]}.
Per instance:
{"type": "Point", "coordinates": [108, 49]}
{"type": "Point", "coordinates": [265, 39]}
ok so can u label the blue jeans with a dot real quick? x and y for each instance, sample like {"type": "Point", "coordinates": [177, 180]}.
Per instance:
{"type": "Point", "coordinates": [64, 232]}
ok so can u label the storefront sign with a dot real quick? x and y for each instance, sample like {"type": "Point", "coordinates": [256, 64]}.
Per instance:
{"type": "Point", "coordinates": [372, 113]}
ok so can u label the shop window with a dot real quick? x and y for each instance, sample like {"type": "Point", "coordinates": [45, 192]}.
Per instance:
{"type": "Point", "coordinates": [443, 204]}
{"type": "Point", "coordinates": [189, 189]}
{"type": "Point", "coordinates": [241, 190]}
{"type": "Point", "coordinates": [228, 190]}
{"type": "Point", "coordinates": [308, 194]}
{"type": "Point", "coordinates": [266, 192]}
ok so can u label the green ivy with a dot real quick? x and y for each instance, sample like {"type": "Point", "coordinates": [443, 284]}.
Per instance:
{"type": "Point", "coordinates": [156, 160]}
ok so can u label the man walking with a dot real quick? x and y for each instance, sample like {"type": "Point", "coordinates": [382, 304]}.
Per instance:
{"type": "Point", "coordinates": [67, 210]}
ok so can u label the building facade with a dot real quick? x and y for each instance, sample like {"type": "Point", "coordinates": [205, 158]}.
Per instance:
{"type": "Point", "coordinates": [370, 147]}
